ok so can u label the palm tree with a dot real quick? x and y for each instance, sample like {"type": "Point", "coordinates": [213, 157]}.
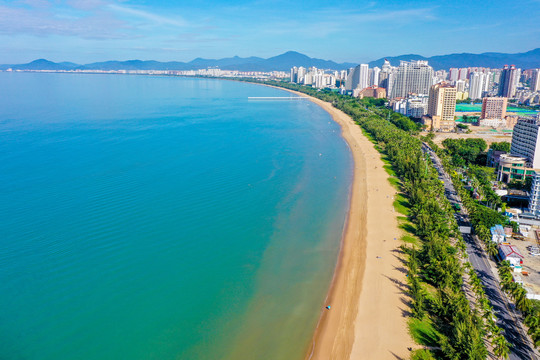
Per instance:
{"type": "Point", "coordinates": [492, 248]}
{"type": "Point", "coordinates": [501, 347]}
{"type": "Point", "coordinates": [532, 321]}
{"type": "Point", "coordinates": [521, 300]}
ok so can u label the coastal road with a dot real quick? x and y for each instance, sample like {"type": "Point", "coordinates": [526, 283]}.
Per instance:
{"type": "Point", "coordinates": [508, 317]}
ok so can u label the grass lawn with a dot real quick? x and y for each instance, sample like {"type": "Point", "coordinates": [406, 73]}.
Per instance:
{"type": "Point", "coordinates": [423, 332]}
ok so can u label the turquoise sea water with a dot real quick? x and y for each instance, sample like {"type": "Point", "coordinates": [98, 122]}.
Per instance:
{"type": "Point", "coordinates": [164, 218]}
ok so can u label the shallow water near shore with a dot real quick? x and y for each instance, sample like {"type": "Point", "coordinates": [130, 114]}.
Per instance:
{"type": "Point", "coordinates": [146, 217]}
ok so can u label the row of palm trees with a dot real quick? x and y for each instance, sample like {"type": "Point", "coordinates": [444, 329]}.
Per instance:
{"type": "Point", "coordinates": [436, 262]}
{"type": "Point", "coordinates": [483, 219]}
{"type": "Point", "coordinates": [531, 313]}
{"type": "Point", "coordinates": [501, 347]}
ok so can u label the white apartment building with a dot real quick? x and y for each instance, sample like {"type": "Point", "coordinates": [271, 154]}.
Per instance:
{"type": "Point", "coordinates": [412, 77]}
{"type": "Point", "coordinates": [374, 79]}
{"type": "Point", "coordinates": [477, 85]}
{"type": "Point", "coordinates": [534, 196]}
{"type": "Point", "coordinates": [364, 76]}
{"type": "Point", "coordinates": [525, 141]}
{"type": "Point", "coordinates": [535, 81]}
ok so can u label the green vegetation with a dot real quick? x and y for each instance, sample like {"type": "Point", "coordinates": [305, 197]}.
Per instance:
{"type": "Point", "coordinates": [421, 354]}
{"type": "Point", "coordinates": [423, 332]}
{"type": "Point", "coordinates": [464, 151]}
{"type": "Point", "coordinates": [470, 119]}
{"type": "Point", "coordinates": [500, 146]}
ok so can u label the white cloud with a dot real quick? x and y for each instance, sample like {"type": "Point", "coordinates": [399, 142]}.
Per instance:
{"type": "Point", "coordinates": [44, 21]}
{"type": "Point", "coordinates": [177, 21]}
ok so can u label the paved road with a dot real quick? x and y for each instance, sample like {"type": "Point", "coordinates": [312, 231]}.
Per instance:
{"type": "Point", "coordinates": [508, 317]}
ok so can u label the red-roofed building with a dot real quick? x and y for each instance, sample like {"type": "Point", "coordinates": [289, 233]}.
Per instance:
{"type": "Point", "coordinates": [512, 254]}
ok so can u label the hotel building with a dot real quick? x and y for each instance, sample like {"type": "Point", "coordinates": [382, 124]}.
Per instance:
{"type": "Point", "coordinates": [441, 108]}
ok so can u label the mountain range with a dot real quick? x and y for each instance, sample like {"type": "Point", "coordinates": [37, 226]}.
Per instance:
{"type": "Point", "coordinates": [284, 62]}
{"type": "Point", "coordinates": [526, 60]}
{"type": "Point", "coordinates": [281, 62]}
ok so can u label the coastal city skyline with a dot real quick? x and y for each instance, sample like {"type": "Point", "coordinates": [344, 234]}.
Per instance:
{"type": "Point", "coordinates": [87, 31]}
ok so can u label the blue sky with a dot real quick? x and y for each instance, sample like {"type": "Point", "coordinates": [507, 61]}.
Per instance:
{"type": "Point", "coordinates": [85, 31]}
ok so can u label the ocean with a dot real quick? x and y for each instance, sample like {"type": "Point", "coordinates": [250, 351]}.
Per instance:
{"type": "Point", "coordinates": [148, 217]}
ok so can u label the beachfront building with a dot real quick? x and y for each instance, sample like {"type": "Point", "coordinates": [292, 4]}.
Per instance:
{"type": "Point", "coordinates": [513, 168]}
{"type": "Point", "coordinates": [414, 106]}
{"type": "Point", "coordinates": [498, 234]}
{"type": "Point", "coordinates": [441, 108]}
{"type": "Point", "coordinates": [525, 141]}
{"type": "Point", "coordinates": [534, 195]}
{"type": "Point", "coordinates": [358, 77]}
{"type": "Point", "coordinates": [512, 255]}
{"type": "Point", "coordinates": [412, 77]}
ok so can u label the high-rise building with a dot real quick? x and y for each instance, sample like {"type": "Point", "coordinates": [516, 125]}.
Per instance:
{"type": "Point", "coordinates": [442, 107]}
{"type": "Point", "coordinates": [301, 74]}
{"type": "Point", "coordinates": [460, 85]}
{"type": "Point", "coordinates": [374, 80]}
{"type": "Point", "coordinates": [535, 80]}
{"type": "Point", "coordinates": [364, 76]}
{"type": "Point", "coordinates": [454, 75]}
{"type": "Point", "coordinates": [508, 81]}
{"type": "Point", "coordinates": [477, 85]}
{"type": "Point", "coordinates": [294, 74]}
{"type": "Point", "coordinates": [463, 74]}
{"type": "Point", "coordinates": [412, 77]}
{"type": "Point", "coordinates": [358, 77]}
{"type": "Point", "coordinates": [493, 112]}
{"type": "Point", "coordinates": [526, 142]}
{"type": "Point", "coordinates": [353, 78]}
{"type": "Point", "coordinates": [493, 108]}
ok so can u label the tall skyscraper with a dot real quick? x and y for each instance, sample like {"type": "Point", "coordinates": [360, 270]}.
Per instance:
{"type": "Point", "coordinates": [535, 80]}
{"type": "Point", "coordinates": [454, 75]}
{"type": "Point", "coordinates": [374, 81]}
{"type": "Point", "coordinates": [353, 78]}
{"type": "Point", "coordinates": [477, 85]}
{"type": "Point", "coordinates": [526, 142]}
{"type": "Point", "coordinates": [412, 77]}
{"type": "Point", "coordinates": [357, 78]}
{"type": "Point", "coordinates": [460, 85]}
{"type": "Point", "coordinates": [301, 74]}
{"type": "Point", "coordinates": [442, 106]}
{"type": "Point", "coordinates": [508, 81]}
{"type": "Point", "coordinates": [294, 74]}
{"type": "Point", "coordinates": [364, 76]}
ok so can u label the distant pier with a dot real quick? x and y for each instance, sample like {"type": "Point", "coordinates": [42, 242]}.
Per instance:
{"type": "Point", "coordinates": [277, 98]}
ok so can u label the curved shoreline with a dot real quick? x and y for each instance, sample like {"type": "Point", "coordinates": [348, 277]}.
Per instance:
{"type": "Point", "coordinates": [368, 316]}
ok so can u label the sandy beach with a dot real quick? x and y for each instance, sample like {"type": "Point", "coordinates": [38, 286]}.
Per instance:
{"type": "Point", "coordinates": [367, 319]}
